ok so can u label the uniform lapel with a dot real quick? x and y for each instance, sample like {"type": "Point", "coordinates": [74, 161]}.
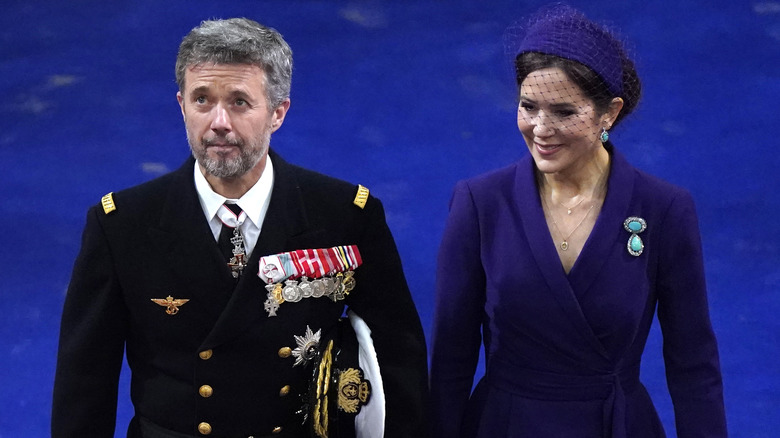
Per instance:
{"type": "Point", "coordinates": [183, 234]}
{"type": "Point", "coordinates": [543, 249]}
{"type": "Point", "coordinates": [285, 218]}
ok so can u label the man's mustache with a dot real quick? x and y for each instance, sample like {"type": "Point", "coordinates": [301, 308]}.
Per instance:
{"type": "Point", "coordinates": [221, 141]}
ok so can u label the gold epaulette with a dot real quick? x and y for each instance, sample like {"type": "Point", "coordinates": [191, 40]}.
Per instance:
{"type": "Point", "coordinates": [108, 203]}
{"type": "Point", "coordinates": [361, 197]}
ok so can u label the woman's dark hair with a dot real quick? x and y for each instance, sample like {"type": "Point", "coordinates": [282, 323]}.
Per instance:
{"type": "Point", "coordinates": [591, 84]}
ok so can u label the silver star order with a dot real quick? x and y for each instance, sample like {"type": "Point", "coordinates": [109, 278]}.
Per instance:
{"type": "Point", "coordinates": [307, 347]}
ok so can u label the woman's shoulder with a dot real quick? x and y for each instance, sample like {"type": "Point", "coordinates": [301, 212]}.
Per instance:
{"type": "Point", "coordinates": [503, 177]}
{"type": "Point", "coordinates": [497, 189]}
{"type": "Point", "coordinates": [652, 186]}
{"type": "Point", "coordinates": [646, 184]}
{"type": "Point", "coordinates": [653, 196]}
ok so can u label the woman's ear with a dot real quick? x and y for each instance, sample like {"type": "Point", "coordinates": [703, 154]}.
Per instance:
{"type": "Point", "coordinates": [612, 112]}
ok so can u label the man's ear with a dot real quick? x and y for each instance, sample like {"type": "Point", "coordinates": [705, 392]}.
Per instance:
{"type": "Point", "coordinates": [280, 112]}
{"type": "Point", "coordinates": [180, 99]}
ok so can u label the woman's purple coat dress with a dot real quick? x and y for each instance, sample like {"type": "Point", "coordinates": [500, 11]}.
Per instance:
{"type": "Point", "coordinates": [563, 351]}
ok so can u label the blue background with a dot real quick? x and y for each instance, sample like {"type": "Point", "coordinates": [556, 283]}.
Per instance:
{"type": "Point", "coordinates": [403, 97]}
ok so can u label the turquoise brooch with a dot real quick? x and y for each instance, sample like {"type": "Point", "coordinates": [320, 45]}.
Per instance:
{"type": "Point", "coordinates": [635, 225]}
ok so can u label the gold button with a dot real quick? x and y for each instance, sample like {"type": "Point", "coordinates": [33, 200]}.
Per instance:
{"type": "Point", "coordinates": [205, 391]}
{"type": "Point", "coordinates": [277, 429]}
{"type": "Point", "coordinates": [284, 391]}
{"type": "Point", "coordinates": [204, 428]}
{"type": "Point", "coordinates": [285, 352]}
{"type": "Point", "coordinates": [206, 355]}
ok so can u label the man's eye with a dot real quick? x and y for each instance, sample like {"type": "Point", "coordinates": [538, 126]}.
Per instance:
{"type": "Point", "coordinates": [240, 102]}
{"type": "Point", "coordinates": [200, 99]}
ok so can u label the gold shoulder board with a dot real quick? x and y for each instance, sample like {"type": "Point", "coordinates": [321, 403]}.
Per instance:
{"type": "Point", "coordinates": [108, 203]}
{"type": "Point", "coordinates": [361, 197]}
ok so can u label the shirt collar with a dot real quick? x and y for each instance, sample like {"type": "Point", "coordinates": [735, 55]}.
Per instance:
{"type": "Point", "coordinates": [254, 202]}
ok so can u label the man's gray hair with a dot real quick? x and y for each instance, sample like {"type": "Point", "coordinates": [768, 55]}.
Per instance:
{"type": "Point", "coordinates": [239, 41]}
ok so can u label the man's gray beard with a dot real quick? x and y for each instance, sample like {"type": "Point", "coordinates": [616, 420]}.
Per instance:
{"type": "Point", "coordinates": [231, 167]}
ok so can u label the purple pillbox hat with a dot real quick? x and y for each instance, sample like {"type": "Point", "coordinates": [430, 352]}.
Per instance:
{"type": "Point", "coordinates": [565, 32]}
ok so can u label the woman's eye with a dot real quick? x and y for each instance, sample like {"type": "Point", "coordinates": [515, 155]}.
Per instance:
{"type": "Point", "coordinates": [527, 106]}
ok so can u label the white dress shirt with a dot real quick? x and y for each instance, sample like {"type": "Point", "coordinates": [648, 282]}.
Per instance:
{"type": "Point", "coordinates": [254, 203]}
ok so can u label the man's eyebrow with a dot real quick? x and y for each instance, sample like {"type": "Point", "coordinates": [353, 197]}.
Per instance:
{"type": "Point", "coordinates": [199, 90]}
{"type": "Point", "coordinates": [239, 92]}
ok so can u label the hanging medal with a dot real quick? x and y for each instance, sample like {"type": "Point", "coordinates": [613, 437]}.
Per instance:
{"type": "Point", "coordinates": [238, 261]}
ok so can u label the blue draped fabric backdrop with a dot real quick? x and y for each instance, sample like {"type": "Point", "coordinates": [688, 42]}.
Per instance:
{"type": "Point", "coordinates": [405, 98]}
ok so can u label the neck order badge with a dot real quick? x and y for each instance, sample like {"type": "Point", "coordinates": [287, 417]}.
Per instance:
{"type": "Point", "coordinates": [231, 241]}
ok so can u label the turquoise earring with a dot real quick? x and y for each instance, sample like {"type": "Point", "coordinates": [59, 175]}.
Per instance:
{"type": "Point", "coordinates": [604, 135]}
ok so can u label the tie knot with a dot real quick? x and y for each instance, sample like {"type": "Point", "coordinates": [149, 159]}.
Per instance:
{"type": "Point", "coordinates": [231, 215]}
{"type": "Point", "coordinates": [234, 208]}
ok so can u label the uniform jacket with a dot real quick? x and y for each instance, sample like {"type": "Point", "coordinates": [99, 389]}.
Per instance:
{"type": "Point", "coordinates": [156, 244]}
{"type": "Point", "coordinates": [563, 351]}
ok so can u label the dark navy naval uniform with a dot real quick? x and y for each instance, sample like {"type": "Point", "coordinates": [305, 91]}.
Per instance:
{"type": "Point", "coordinates": [220, 366]}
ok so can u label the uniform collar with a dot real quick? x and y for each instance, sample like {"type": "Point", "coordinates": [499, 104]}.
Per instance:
{"type": "Point", "coordinates": [254, 202]}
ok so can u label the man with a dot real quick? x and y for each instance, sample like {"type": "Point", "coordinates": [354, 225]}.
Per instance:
{"type": "Point", "coordinates": [225, 280]}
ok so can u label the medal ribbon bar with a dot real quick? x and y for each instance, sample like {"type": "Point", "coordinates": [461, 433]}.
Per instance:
{"type": "Point", "coordinates": [311, 263]}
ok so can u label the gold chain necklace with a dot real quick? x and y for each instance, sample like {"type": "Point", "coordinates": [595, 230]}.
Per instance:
{"type": "Point", "coordinates": [568, 209]}
{"type": "Point", "coordinates": [565, 243]}
{"type": "Point", "coordinates": [600, 185]}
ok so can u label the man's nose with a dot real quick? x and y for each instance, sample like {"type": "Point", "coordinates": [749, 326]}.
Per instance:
{"type": "Point", "coordinates": [221, 119]}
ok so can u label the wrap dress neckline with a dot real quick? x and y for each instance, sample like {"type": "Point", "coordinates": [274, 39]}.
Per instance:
{"type": "Point", "coordinates": [611, 379]}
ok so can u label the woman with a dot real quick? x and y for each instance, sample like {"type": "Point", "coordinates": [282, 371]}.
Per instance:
{"type": "Point", "coordinates": [559, 261]}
